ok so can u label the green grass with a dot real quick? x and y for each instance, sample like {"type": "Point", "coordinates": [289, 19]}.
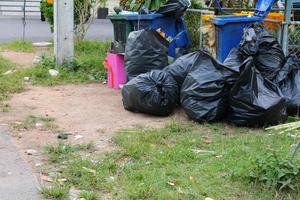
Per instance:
{"type": "Point", "coordinates": [180, 161]}
{"type": "Point", "coordinates": [18, 45]}
{"type": "Point", "coordinates": [55, 192]}
{"type": "Point", "coordinates": [30, 122]}
{"type": "Point", "coordinates": [88, 195]}
{"type": "Point", "coordinates": [11, 83]}
{"type": "Point", "coordinates": [87, 67]}
{"type": "Point", "coordinates": [61, 151]}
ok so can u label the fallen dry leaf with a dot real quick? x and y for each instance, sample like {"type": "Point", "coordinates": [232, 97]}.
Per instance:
{"type": "Point", "coordinates": [46, 178]}
{"type": "Point", "coordinates": [173, 182]}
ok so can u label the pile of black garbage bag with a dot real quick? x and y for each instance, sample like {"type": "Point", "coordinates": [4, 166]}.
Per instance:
{"type": "Point", "coordinates": [255, 86]}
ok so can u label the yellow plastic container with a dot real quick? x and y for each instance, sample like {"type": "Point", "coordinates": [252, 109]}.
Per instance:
{"type": "Point", "coordinates": [273, 16]}
{"type": "Point", "coordinates": [206, 18]}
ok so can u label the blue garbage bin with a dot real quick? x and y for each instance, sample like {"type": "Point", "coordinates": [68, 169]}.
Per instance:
{"type": "Point", "coordinates": [229, 32]}
{"type": "Point", "coordinates": [176, 29]}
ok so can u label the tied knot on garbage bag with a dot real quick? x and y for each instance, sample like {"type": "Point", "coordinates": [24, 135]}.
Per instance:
{"type": "Point", "coordinates": [266, 51]}
{"type": "Point", "coordinates": [175, 8]}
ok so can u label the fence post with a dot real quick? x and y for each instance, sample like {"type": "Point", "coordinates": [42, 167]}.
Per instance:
{"type": "Point", "coordinates": [287, 21]}
{"type": "Point", "coordinates": [64, 30]}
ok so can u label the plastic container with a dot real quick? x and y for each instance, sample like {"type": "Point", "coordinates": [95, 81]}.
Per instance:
{"type": "Point", "coordinates": [116, 75]}
{"type": "Point", "coordinates": [269, 25]}
{"type": "Point", "coordinates": [169, 25]}
{"type": "Point", "coordinates": [229, 32]}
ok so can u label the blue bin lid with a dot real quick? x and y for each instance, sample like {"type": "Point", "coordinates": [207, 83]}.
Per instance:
{"type": "Point", "coordinates": [135, 16]}
{"type": "Point", "coordinates": [222, 20]}
{"type": "Point", "coordinates": [263, 8]}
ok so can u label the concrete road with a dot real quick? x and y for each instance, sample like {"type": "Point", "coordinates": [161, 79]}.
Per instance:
{"type": "Point", "coordinates": [16, 179]}
{"type": "Point", "coordinates": [11, 28]}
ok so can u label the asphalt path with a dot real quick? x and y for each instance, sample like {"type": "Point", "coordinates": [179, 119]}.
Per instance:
{"type": "Point", "coordinates": [11, 28]}
{"type": "Point", "coordinates": [17, 181]}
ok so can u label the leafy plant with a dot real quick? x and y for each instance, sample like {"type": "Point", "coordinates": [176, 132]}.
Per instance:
{"type": "Point", "coordinates": [272, 171]}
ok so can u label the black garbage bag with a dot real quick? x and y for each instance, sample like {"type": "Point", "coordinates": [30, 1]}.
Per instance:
{"type": "Point", "coordinates": [145, 50]}
{"type": "Point", "coordinates": [235, 59]}
{"type": "Point", "coordinates": [256, 101]}
{"type": "Point", "coordinates": [267, 53]}
{"type": "Point", "coordinates": [288, 80]}
{"type": "Point", "coordinates": [204, 93]}
{"type": "Point", "coordinates": [180, 68]}
{"type": "Point", "coordinates": [174, 8]}
{"type": "Point", "coordinates": [155, 93]}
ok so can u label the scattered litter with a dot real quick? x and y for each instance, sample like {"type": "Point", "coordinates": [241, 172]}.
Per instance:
{"type": "Point", "coordinates": [61, 180]}
{"type": "Point", "coordinates": [63, 135]}
{"type": "Point", "coordinates": [219, 156]}
{"type": "Point", "coordinates": [8, 72]}
{"type": "Point", "coordinates": [38, 125]}
{"type": "Point", "coordinates": [202, 151]}
{"type": "Point", "coordinates": [53, 72]}
{"type": "Point", "coordinates": [89, 170]}
{"type": "Point", "coordinates": [78, 137]}
{"type": "Point", "coordinates": [208, 198]}
{"type": "Point", "coordinates": [31, 152]}
{"type": "Point", "coordinates": [38, 164]}
{"type": "Point", "coordinates": [172, 182]}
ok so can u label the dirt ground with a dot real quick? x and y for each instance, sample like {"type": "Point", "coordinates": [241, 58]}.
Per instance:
{"type": "Point", "coordinates": [91, 112]}
{"type": "Point", "coordinates": [21, 59]}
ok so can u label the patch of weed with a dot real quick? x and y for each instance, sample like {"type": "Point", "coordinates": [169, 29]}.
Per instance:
{"type": "Point", "coordinates": [88, 195]}
{"type": "Point", "coordinates": [55, 192]}
{"type": "Point", "coordinates": [62, 151]}
{"type": "Point", "coordinates": [273, 171]}
{"type": "Point", "coordinates": [9, 83]}
{"type": "Point", "coordinates": [18, 45]}
{"type": "Point", "coordinates": [30, 122]}
{"type": "Point", "coordinates": [179, 161]}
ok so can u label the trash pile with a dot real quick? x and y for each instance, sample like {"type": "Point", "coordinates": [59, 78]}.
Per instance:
{"type": "Point", "coordinates": [255, 86]}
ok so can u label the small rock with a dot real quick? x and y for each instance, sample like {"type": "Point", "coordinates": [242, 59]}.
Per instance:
{"type": "Point", "coordinates": [73, 193]}
{"type": "Point", "coordinates": [31, 152]}
{"type": "Point", "coordinates": [38, 164]}
{"type": "Point", "coordinates": [38, 125]}
{"type": "Point", "coordinates": [26, 78]}
{"type": "Point", "coordinates": [53, 72]}
{"type": "Point", "coordinates": [208, 198]}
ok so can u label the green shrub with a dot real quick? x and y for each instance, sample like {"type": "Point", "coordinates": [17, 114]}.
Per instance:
{"type": "Point", "coordinates": [275, 172]}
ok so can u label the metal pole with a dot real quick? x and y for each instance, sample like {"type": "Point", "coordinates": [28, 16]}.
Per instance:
{"type": "Point", "coordinates": [64, 31]}
{"type": "Point", "coordinates": [285, 32]}
{"type": "Point", "coordinates": [24, 20]}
